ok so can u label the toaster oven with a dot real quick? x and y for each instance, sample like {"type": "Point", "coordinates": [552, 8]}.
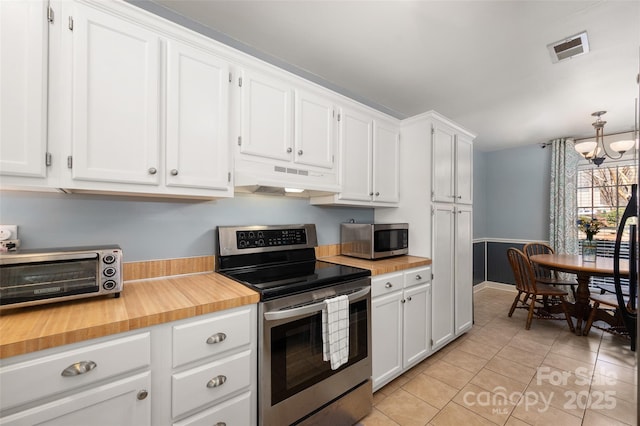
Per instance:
{"type": "Point", "coordinates": [33, 277]}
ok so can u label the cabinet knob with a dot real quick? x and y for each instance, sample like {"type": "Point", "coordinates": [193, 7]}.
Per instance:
{"type": "Point", "coordinates": [388, 285]}
{"type": "Point", "coordinates": [216, 381]}
{"type": "Point", "coordinates": [220, 424]}
{"type": "Point", "coordinates": [142, 394]}
{"type": "Point", "coordinates": [289, 149]}
{"type": "Point", "coordinates": [153, 170]}
{"type": "Point", "coordinates": [216, 338]}
{"type": "Point", "coordinates": [300, 152]}
{"type": "Point", "coordinates": [174, 172]}
{"type": "Point", "coordinates": [409, 298]}
{"type": "Point", "coordinates": [402, 301]}
{"type": "Point", "coordinates": [377, 193]}
{"type": "Point", "coordinates": [459, 197]}
{"type": "Point", "coordinates": [371, 193]}
{"type": "Point", "coordinates": [78, 368]}
{"type": "Point", "coordinates": [418, 277]}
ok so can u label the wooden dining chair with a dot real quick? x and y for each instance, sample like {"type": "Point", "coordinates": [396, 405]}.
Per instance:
{"type": "Point", "coordinates": [533, 292]}
{"type": "Point", "coordinates": [605, 308]}
{"type": "Point", "coordinates": [544, 275]}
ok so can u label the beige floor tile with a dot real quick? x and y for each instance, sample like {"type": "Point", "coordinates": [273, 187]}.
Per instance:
{"type": "Point", "coordinates": [567, 364]}
{"type": "Point", "coordinates": [617, 388]}
{"type": "Point", "coordinates": [524, 342]}
{"type": "Point", "coordinates": [456, 415]}
{"type": "Point", "coordinates": [479, 349]}
{"type": "Point", "coordinates": [511, 369]}
{"type": "Point", "coordinates": [495, 407]}
{"type": "Point", "coordinates": [449, 374]}
{"type": "Point", "coordinates": [431, 390]}
{"type": "Point", "coordinates": [598, 418]}
{"type": "Point", "coordinates": [515, 422]}
{"type": "Point", "coordinates": [575, 353]}
{"type": "Point", "coordinates": [537, 413]}
{"type": "Point", "coordinates": [616, 408]}
{"type": "Point", "coordinates": [521, 356]}
{"type": "Point", "coordinates": [378, 397]}
{"type": "Point", "coordinates": [376, 418]}
{"type": "Point", "coordinates": [394, 385]}
{"type": "Point", "coordinates": [494, 382]}
{"type": "Point", "coordinates": [462, 359]}
{"type": "Point", "coordinates": [618, 355]}
{"type": "Point", "coordinates": [568, 400]}
{"type": "Point", "coordinates": [406, 409]}
{"type": "Point", "coordinates": [623, 374]}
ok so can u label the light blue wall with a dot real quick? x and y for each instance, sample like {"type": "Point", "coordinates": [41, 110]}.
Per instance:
{"type": "Point", "coordinates": [516, 193]}
{"type": "Point", "coordinates": [479, 194]}
{"type": "Point", "coordinates": [148, 229]}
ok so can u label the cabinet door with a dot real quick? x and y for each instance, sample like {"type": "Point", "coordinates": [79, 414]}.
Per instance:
{"type": "Point", "coordinates": [386, 337]}
{"type": "Point", "coordinates": [416, 324]}
{"type": "Point", "coordinates": [442, 309]}
{"type": "Point", "coordinates": [266, 116]}
{"type": "Point", "coordinates": [464, 170]}
{"type": "Point", "coordinates": [117, 403]}
{"type": "Point", "coordinates": [355, 136]}
{"type": "Point", "coordinates": [443, 149]}
{"type": "Point", "coordinates": [197, 123]}
{"type": "Point", "coordinates": [23, 88]}
{"type": "Point", "coordinates": [314, 130]}
{"type": "Point", "coordinates": [386, 167]}
{"type": "Point", "coordinates": [463, 269]}
{"type": "Point", "coordinates": [115, 95]}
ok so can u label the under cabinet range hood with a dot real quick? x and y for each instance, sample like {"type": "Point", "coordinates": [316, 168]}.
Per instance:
{"type": "Point", "coordinates": [266, 179]}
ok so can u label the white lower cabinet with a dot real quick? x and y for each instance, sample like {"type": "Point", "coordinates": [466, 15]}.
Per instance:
{"type": "Point", "coordinates": [104, 382]}
{"type": "Point", "coordinates": [201, 370]}
{"type": "Point", "coordinates": [400, 322]}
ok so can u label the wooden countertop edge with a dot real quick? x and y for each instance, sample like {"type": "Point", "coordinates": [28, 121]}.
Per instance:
{"type": "Point", "coordinates": [177, 293]}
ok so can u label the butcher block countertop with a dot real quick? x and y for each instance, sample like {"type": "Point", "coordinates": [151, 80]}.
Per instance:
{"type": "Point", "coordinates": [146, 302]}
{"type": "Point", "coordinates": [381, 266]}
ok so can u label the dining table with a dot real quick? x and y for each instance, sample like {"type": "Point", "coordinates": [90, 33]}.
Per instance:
{"type": "Point", "coordinates": [584, 270]}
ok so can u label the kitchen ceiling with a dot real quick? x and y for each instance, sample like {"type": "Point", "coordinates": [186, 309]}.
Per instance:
{"type": "Point", "coordinates": [484, 64]}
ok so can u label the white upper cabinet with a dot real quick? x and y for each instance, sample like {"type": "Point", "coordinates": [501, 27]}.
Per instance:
{"type": "Point", "coordinates": [314, 129]}
{"type": "Point", "coordinates": [369, 161]}
{"type": "Point", "coordinates": [452, 164]}
{"type": "Point", "coordinates": [197, 119]}
{"type": "Point", "coordinates": [147, 105]}
{"type": "Point", "coordinates": [116, 107]}
{"type": "Point", "coordinates": [23, 90]}
{"type": "Point", "coordinates": [266, 116]}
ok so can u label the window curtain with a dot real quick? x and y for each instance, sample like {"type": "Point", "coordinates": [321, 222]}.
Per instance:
{"type": "Point", "coordinates": [563, 231]}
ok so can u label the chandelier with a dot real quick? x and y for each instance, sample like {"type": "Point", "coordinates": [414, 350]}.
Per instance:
{"type": "Point", "coordinates": [596, 151]}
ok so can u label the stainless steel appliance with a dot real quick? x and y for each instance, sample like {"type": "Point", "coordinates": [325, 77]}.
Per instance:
{"type": "Point", "coordinates": [374, 240]}
{"type": "Point", "coordinates": [34, 277]}
{"type": "Point", "coordinates": [295, 385]}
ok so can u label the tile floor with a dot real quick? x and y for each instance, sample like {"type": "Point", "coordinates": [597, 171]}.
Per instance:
{"type": "Point", "coordinates": [501, 374]}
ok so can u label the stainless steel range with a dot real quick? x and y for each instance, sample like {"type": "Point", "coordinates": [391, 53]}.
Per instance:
{"type": "Point", "coordinates": [295, 385]}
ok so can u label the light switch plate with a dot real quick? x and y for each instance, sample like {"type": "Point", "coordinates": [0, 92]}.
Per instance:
{"type": "Point", "coordinates": [8, 232]}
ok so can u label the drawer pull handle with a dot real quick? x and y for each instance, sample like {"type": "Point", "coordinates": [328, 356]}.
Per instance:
{"type": "Point", "coordinates": [78, 368]}
{"type": "Point", "coordinates": [220, 424]}
{"type": "Point", "coordinates": [216, 381]}
{"type": "Point", "coordinates": [216, 338]}
{"type": "Point", "coordinates": [388, 285]}
{"type": "Point", "coordinates": [418, 277]}
{"type": "Point", "coordinates": [142, 394]}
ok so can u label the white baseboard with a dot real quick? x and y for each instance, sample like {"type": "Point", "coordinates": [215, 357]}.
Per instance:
{"type": "Point", "coordinates": [494, 285]}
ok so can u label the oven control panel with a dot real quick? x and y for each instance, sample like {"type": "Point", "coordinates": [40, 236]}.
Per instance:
{"type": "Point", "coordinates": [270, 238]}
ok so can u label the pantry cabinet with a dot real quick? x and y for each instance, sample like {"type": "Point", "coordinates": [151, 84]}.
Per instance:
{"type": "Point", "coordinates": [23, 92]}
{"type": "Point", "coordinates": [452, 159]}
{"type": "Point", "coordinates": [400, 322]}
{"type": "Point", "coordinates": [369, 161]}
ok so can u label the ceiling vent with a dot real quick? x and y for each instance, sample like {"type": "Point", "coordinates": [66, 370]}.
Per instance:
{"type": "Point", "coordinates": [569, 47]}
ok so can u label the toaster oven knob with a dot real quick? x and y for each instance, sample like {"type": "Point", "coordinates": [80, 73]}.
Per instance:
{"type": "Point", "coordinates": [109, 272]}
{"type": "Point", "coordinates": [109, 259]}
{"type": "Point", "coordinates": [109, 285]}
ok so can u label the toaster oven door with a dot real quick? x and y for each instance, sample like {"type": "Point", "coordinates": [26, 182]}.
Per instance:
{"type": "Point", "coordinates": [32, 282]}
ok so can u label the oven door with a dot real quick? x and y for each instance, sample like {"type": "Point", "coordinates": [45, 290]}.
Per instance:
{"type": "Point", "coordinates": [294, 379]}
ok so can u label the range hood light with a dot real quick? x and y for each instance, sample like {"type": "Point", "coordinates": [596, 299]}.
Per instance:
{"type": "Point", "coordinates": [293, 190]}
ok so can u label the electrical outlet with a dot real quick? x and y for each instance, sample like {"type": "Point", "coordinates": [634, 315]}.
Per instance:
{"type": "Point", "coordinates": [8, 232]}
{"type": "Point", "coordinates": [9, 245]}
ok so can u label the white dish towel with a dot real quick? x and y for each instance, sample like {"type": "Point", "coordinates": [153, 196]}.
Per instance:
{"type": "Point", "coordinates": [335, 331]}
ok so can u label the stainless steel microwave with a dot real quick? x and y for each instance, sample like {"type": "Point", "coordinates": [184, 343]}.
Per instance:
{"type": "Point", "coordinates": [34, 277]}
{"type": "Point", "coordinates": [374, 240]}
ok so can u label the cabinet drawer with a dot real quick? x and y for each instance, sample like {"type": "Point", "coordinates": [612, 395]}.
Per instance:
{"type": "Point", "coordinates": [32, 380]}
{"type": "Point", "coordinates": [211, 336]}
{"type": "Point", "coordinates": [236, 411]}
{"type": "Point", "coordinates": [195, 387]}
{"type": "Point", "coordinates": [386, 283]}
{"type": "Point", "coordinates": [417, 276]}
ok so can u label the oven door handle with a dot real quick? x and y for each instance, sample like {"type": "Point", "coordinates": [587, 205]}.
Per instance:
{"type": "Point", "coordinates": [309, 309]}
